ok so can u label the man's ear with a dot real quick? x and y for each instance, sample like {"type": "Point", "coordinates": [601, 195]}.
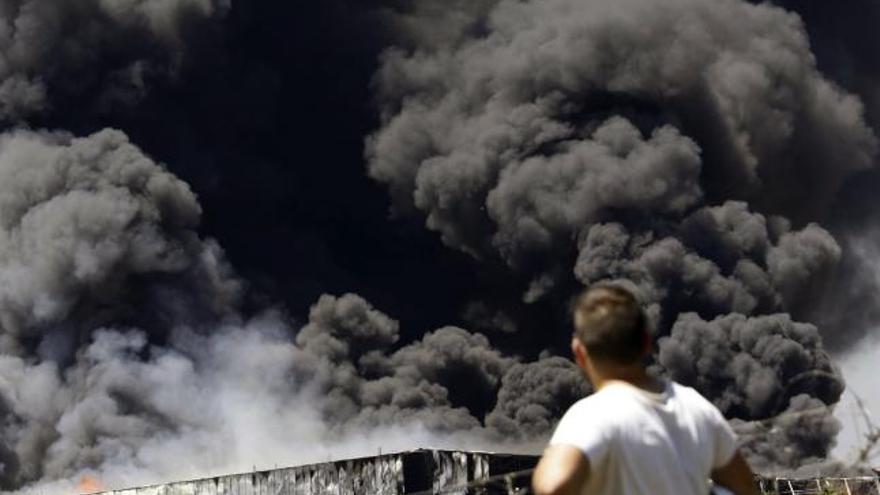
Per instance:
{"type": "Point", "coordinates": [579, 351]}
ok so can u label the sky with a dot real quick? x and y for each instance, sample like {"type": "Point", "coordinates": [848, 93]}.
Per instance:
{"type": "Point", "coordinates": [342, 221]}
{"type": "Point", "coordinates": [859, 369]}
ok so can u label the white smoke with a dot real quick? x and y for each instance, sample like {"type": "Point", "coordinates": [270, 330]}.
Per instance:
{"type": "Point", "coordinates": [128, 412]}
{"type": "Point", "coordinates": [209, 405]}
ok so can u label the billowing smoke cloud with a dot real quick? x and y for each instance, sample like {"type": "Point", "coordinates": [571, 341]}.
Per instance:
{"type": "Point", "coordinates": [761, 367]}
{"type": "Point", "coordinates": [658, 145]}
{"type": "Point", "coordinates": [446, 381]}
{"type": "Point", "coordinates": [124, 351]}
{"type": "Point", "coordinates": [562, 89]}
{"type": "Point", "coordinates": [92, 230]}
{"type": "Point", "coordinates": [534, 395]}
{"type": "Point", "coordinates": [718, 260]}
{"type": "Point", "coordinates": [50, 49]}
{"type": "Point", "coordinates": [566, 142]}
{"type": "Point", "coordinates": [92, 233]}
{"type": "Point", "coordinates": [249, 392]}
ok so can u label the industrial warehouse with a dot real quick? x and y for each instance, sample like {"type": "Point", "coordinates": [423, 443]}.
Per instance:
{"type": "Point", "coordinates": [436, 472]}
{"type": "Point", "coordinates": [410, 473]}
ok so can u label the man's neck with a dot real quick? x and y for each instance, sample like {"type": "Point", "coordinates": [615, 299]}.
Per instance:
{"type": "Point", "coordinates": [635, 375]}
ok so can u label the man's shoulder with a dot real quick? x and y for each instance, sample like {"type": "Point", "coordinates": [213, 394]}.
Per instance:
{"type": "Point", "coordinates": [692, 398]}
{"type": "Point", "coordinates": [595, 418]}
{"type": "Point", "coordinates": [687, 392]}
{"type": "Point", "coordinates": [603, 404]}
{"type": "Point", "coordinates": [610, 393]}
{"type": "Point", "coordinates": [588, 403]}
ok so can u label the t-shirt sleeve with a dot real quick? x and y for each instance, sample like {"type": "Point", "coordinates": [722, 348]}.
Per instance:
{"type": "Point", "coordinates": [724, 438]}
{"type": "Point", "coordinates": [582, 428]}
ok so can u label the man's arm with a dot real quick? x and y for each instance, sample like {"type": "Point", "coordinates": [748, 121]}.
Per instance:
{"type": "Point", "coordinates": [562, 470]}
{"type": "Point", "coordinates": [736, 476]}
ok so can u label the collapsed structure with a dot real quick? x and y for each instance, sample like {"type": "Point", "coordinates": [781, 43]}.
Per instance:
{"type": "Point", "coordinates": [417, 471]}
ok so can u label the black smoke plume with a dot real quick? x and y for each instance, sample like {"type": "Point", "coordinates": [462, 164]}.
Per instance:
{"type": "Point", "coordinates": [106, 52]}
{"type": "Point", "coordinates": [656, 144]}
{"type": "Point", "coordinates": [721, 170]}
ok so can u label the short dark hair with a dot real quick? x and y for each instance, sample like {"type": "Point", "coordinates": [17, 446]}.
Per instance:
{"type": "Point", "coordinates": [609, 321]}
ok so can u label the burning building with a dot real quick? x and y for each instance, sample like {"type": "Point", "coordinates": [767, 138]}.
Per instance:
{"type": "Point", "coordinates": [416, 471]}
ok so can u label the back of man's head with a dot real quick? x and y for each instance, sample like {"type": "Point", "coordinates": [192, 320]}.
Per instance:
{"type": "Point", "coordinates": [610, 323]}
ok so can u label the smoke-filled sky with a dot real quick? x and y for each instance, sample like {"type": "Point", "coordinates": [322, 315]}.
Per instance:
{"type": "Point", "coordinates": [266, 232]}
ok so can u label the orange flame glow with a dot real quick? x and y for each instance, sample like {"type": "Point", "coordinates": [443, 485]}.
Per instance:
{"type": "Point", "coordinates": [89, 484]}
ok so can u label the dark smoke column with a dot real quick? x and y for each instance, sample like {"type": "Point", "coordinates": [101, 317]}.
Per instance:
{"type": "Point", "coordinates": [658, 144]}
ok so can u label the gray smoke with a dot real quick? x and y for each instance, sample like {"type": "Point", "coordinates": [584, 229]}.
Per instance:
{"type": "Point", "coordinates": [434, 23]}
{"type": "Point", "coordinates": [49, 47]}
{"type": "Point", "coordinates": [92, 233]}
{"type": "Point", "coordinates": [660, 145]}
{"type": "Point", "coordinates": [92, 230]}
{"type": "Point", "coordinates": [447, 381]}
{"type": "Point", "coordinates": [571, 141]}
{"type": "Point", "coordinates": [798, 440]}
{"type": "Point", "coordinates": [257, 392]}
{"type": "Point", "coordinates": [124, 352]}
{"type": "Point", "coordinates": [561, 87]}
{"type": "Point", "coordinates": [760, 367]}
{"type": "Point", "coordinates": [717, 260]}
{"type": "Point", "coordinates": [533, 396]}
{"type": "Point", "coordinates": [125, 356]}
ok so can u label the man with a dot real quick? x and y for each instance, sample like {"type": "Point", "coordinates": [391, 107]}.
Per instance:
{"type": "Point", "coordinates": [636, 434]}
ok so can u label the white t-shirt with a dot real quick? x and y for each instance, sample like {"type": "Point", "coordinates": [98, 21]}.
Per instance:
{"type": "Point", "coordinates": [643, 443]}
